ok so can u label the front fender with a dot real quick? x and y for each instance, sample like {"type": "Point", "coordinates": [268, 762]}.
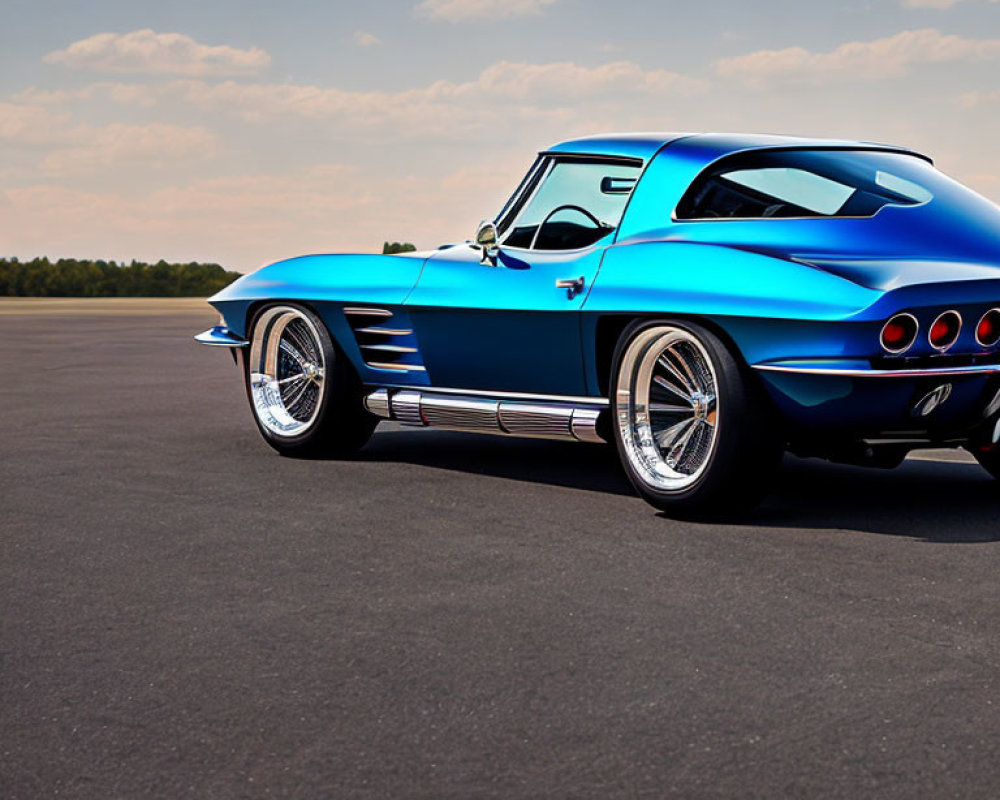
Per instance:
{"type": "Point", "coordinates": [369, 279]}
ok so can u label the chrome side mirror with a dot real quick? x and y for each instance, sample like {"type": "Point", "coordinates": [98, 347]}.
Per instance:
{"type": "Point", "coordinates": [486, 238]}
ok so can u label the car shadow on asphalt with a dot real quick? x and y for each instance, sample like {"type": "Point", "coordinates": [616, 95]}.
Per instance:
{"type": "Point", "coordinates": [592, 468]}
{"type": "Point", "coordinates": [936, 501]}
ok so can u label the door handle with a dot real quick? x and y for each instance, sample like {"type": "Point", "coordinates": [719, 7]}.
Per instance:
{"type": "Point", "coordinates": [573, 286]}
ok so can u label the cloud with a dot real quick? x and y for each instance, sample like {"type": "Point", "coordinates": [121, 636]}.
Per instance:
{"type": "Point", "coordinates": [31, 126]}
{"type": "Point", "coordinates": [125, 93]}
{"type": "Point", "coordinates": [873, 60]}
{"type": "Point", "coordinates": [942, 4]}
{"type": "Point", "coordinates": [118, 145]}
{"type": "Point", "coordinates": [365, 39]}
{"type": "Point", "coordinates": [938, 4]}
{"type": "Point", "coordinates": [72, 148]}
{"type": "Point", "coordinates": [252, 219]}
{"type": "Point", "coordinates": [504, 94]}
{"type": "Point", "coordinates": [977, 99]}
{"type": "Point", "coordinates": [548, 82]}
{"type": "Point", "coordinates": [145, 51]}
{"type": "Point", "coordinates": [466, 10]}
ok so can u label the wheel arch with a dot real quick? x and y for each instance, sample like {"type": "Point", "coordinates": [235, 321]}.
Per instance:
{"type": "Point", "coordinates": [609, 329]}
{"type": "Point", "coordinates": [328, 313]}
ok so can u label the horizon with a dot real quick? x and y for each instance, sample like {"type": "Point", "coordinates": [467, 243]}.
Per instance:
{"type": "Point", "coordinates": [188, 133]}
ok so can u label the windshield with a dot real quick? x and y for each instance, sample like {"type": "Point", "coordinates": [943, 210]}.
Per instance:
{"type": "Point", "coordinates": [573, 203]}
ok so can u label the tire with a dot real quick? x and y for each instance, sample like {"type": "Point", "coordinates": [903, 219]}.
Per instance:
{"type": "Point", "coordinates": [694, 432]}
{"type": "Point", "coordinates": [305, 397]}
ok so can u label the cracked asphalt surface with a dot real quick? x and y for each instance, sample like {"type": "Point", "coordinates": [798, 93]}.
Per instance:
{"type": "Point", "coordinates": [186, 614]}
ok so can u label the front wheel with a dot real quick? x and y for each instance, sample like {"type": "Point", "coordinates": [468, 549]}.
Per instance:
{"type": "Point", "coordinates": [306, 398]}
{"type": "Point", "coordinates": [694, 434]}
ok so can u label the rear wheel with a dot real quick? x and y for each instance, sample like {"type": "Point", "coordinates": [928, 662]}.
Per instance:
{"type": "Point", "coordinates": [306, 398]}
{"type": "Point", "coordinates": [695, 436]}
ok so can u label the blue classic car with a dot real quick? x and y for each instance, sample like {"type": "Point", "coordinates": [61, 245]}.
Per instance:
{"type": "Point", "coordinates": [705, 301]}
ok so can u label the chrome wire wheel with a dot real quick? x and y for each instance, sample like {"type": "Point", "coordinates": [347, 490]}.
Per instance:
{"type": "Point", "coordinates": [287, 372]}
{"type": "Point", "coordinates": [667, 408]}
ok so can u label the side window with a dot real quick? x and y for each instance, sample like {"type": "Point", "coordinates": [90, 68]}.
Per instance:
{"type": "Point", "coordinates": [800, 183]}
{"type": "Point", "coordinates": [574, 204]}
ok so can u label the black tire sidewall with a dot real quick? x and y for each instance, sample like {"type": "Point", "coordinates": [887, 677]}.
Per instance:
{"type": "Point", "coordinates": [731, 481]}
{"type": "Point", "coordinates": [333, 386]}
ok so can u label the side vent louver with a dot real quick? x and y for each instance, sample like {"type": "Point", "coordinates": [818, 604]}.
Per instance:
{"type": "Point", "coordinates": [385, 343]}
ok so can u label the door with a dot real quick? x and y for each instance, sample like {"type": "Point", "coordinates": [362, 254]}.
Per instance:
{"type": "Point", "coordinates": [513, 323]}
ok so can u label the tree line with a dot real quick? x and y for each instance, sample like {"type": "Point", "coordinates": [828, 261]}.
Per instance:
{"type": "Point", "coordinates": [392, 248]}
{"type": "Point", "coordinates": [70, 277]}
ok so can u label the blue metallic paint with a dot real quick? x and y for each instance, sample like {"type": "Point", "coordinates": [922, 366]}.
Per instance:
{"type": "Point", "coordinates": [505, 327]}
{"type": "Point", "coordinates": [368, 279]}
{"type": "Point", "coordinates": [789, 291]}
{"type": "Point", "coordinates": [220, 336]}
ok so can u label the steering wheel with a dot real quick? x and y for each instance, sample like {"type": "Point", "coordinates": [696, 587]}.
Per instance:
{"type": "Point", "coordinates": [556, 210]}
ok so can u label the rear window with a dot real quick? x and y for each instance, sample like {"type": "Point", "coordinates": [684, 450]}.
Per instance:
{"type": "Point", "coordinates": [804, 183]}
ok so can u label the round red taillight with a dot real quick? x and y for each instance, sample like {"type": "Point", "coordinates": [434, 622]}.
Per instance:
{"type": "Point", "coordinates": [988, 329]}
{"type": "Point", "coordinates": [899, 333]}
{"type": "Point", "coordinates": [944, 332]}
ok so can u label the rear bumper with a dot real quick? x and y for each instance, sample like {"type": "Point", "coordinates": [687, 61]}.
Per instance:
{"type": "Point", "coordinates": [854, 368]}
{"type": "Point", "coordinates": [855, 399]}
{"type": "Point", "coordinates": [220, 336]}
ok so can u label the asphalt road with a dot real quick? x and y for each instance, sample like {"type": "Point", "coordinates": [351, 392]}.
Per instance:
{"type": "Point", "coordinates": [186, 614]}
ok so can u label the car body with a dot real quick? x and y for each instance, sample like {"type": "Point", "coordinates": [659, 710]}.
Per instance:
{"type": "Point", "coordinates": [801, 259]}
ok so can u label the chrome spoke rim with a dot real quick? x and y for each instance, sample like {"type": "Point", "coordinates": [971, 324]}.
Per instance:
{"type": "Point", "coordinates": [667, 407]}
{"type": "Point", "coordinates": [287, 371]}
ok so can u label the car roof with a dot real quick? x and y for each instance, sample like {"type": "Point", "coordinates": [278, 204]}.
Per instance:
{"type": "Point", "coordinates": [643, 146]}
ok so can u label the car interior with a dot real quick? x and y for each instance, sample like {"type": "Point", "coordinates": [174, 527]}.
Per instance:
{"type": "Point", "coordinates": [795, 184]}
{"type": "Point", "coordinates": [568, 205]}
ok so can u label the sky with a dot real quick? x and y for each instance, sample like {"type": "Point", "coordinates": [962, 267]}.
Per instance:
{"type": "Point", "coordinates": [245, 131]}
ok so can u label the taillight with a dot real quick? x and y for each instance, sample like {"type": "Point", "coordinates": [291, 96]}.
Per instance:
{"type": "Point", "coordinates": [988, 329]}
{"type": "Point", "coordinates": [944, 332]}
{"type": "Point", "coordinates": [899, 333]}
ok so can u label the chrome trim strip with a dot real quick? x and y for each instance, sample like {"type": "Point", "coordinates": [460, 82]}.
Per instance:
{"type": "Point", "coordinates": [976, 369]}
{"type": "Point", "coordinates": [390, 367]}
{"type": "Point", "coordinates": [356, 311]}
{"type": "Point", "coordinates": [880, 442]}
{"type": "Point", "coordinates": [388, 348]}
{"type": "Point", "coordinates": [554, 398]}
{"type": "Point", "coordinates": [385, 331]}
{"type": "Point", "coordinates": [220, 336]}
{"type": "Point", "coordinates": [519, 418]}
{"type": "Point", "coordinates": [459, 413]}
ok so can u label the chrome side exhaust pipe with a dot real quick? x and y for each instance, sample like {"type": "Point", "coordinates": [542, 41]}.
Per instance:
{"type": "Point", "coordinates": [574, 421]}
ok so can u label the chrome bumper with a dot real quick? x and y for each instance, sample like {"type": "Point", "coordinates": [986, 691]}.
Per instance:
{"type": "Point", "coordinates": [220, 336]}
{"type": "Point", "coordinates": [855, 368]}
